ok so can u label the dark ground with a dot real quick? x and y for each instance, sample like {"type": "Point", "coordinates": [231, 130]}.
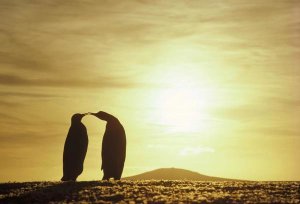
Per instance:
{"type": "Point", "coordinates": [155, 191]}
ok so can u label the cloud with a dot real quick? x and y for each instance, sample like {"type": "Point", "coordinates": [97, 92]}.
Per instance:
{"type": "Point", "coordinates": [4, 117]}
{"type": "Point", "coordinates": [277, 131]}
{"type": "Point", "coordinates": [286, 101]}
{"type": "Point", "coordinates": [187, 151]}
{"type": "Point", "coordinates": [100, 82]}
{"type": "Point", "coordinates": [179, 149]}
{"type": "Point", "coordinates": [283, 104]}
{"type": "Point", "coordinates": [157, 146]}
{"type": "Point", "coordinates": [116, 37]}
{"type": "Point", "coordinates": [4, 103]}
{"type": "Point", "coordinates": [27, 94]}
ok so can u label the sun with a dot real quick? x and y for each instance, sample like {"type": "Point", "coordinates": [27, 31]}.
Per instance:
{"type": "Point", "coordinates": [185, 93]}
{"type": "Point", "coordinates": [181, 109]}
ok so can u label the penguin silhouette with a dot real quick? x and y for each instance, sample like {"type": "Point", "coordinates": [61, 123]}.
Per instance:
{"type": "Point", "coordinates": [75, 149]}
{"type": "Point", "coordinates": [113, 147]}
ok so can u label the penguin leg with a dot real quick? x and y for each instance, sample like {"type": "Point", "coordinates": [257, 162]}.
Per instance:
{"type": "Point", "coordinates": [105, 175]}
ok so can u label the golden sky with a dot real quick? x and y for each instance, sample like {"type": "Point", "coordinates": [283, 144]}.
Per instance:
{"type": "Point", "coordinates": [209, 86]}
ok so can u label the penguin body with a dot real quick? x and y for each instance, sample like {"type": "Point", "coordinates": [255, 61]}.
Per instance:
{"type": "Point", "coordinates": [75, 149]}
{"type": "Point", "coordinates": [113, 147]}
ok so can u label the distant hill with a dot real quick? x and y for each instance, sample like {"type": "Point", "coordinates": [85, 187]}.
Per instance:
{"type": "Point", "coordinates": [175, 174]}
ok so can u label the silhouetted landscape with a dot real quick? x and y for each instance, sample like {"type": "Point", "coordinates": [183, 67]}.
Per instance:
{"type": "Point", "coordinates": [165, 185]}
{"type": "Point", "coordinates": [175, 174]}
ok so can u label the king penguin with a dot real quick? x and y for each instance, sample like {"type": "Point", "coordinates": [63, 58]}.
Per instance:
{"type": "Point", "coordinates": [75, 149]}
{"type": "Point", "coordinates": [113, 146]}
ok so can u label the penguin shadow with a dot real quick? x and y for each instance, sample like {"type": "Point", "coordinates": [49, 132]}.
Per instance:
{"type": "Point", "coordinates": [57, 192]}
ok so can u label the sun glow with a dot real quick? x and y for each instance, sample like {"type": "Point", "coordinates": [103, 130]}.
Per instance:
{"type": "Point", "coordinates": [183, 101]}
{"type": "Point", "coordinates": [182, 108]}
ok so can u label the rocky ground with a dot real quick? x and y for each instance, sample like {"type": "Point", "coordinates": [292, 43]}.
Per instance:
{"type": "Point", "coordinates": [153, 191]}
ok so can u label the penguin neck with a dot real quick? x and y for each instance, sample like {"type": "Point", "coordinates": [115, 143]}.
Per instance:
{"type": "Point", "coordinates": [107, 117]}
{"type": "Point", "coordinates": [77, 122]}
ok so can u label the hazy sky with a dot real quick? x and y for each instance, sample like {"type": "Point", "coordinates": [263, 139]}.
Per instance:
{"type": "Point", "coordinates": [209, 86]}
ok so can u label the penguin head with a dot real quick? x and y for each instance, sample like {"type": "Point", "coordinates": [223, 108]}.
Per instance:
{"type": "Point", "coordinates": [77, 117]}
{"type": "Point", "coordinates": [102, 115]}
